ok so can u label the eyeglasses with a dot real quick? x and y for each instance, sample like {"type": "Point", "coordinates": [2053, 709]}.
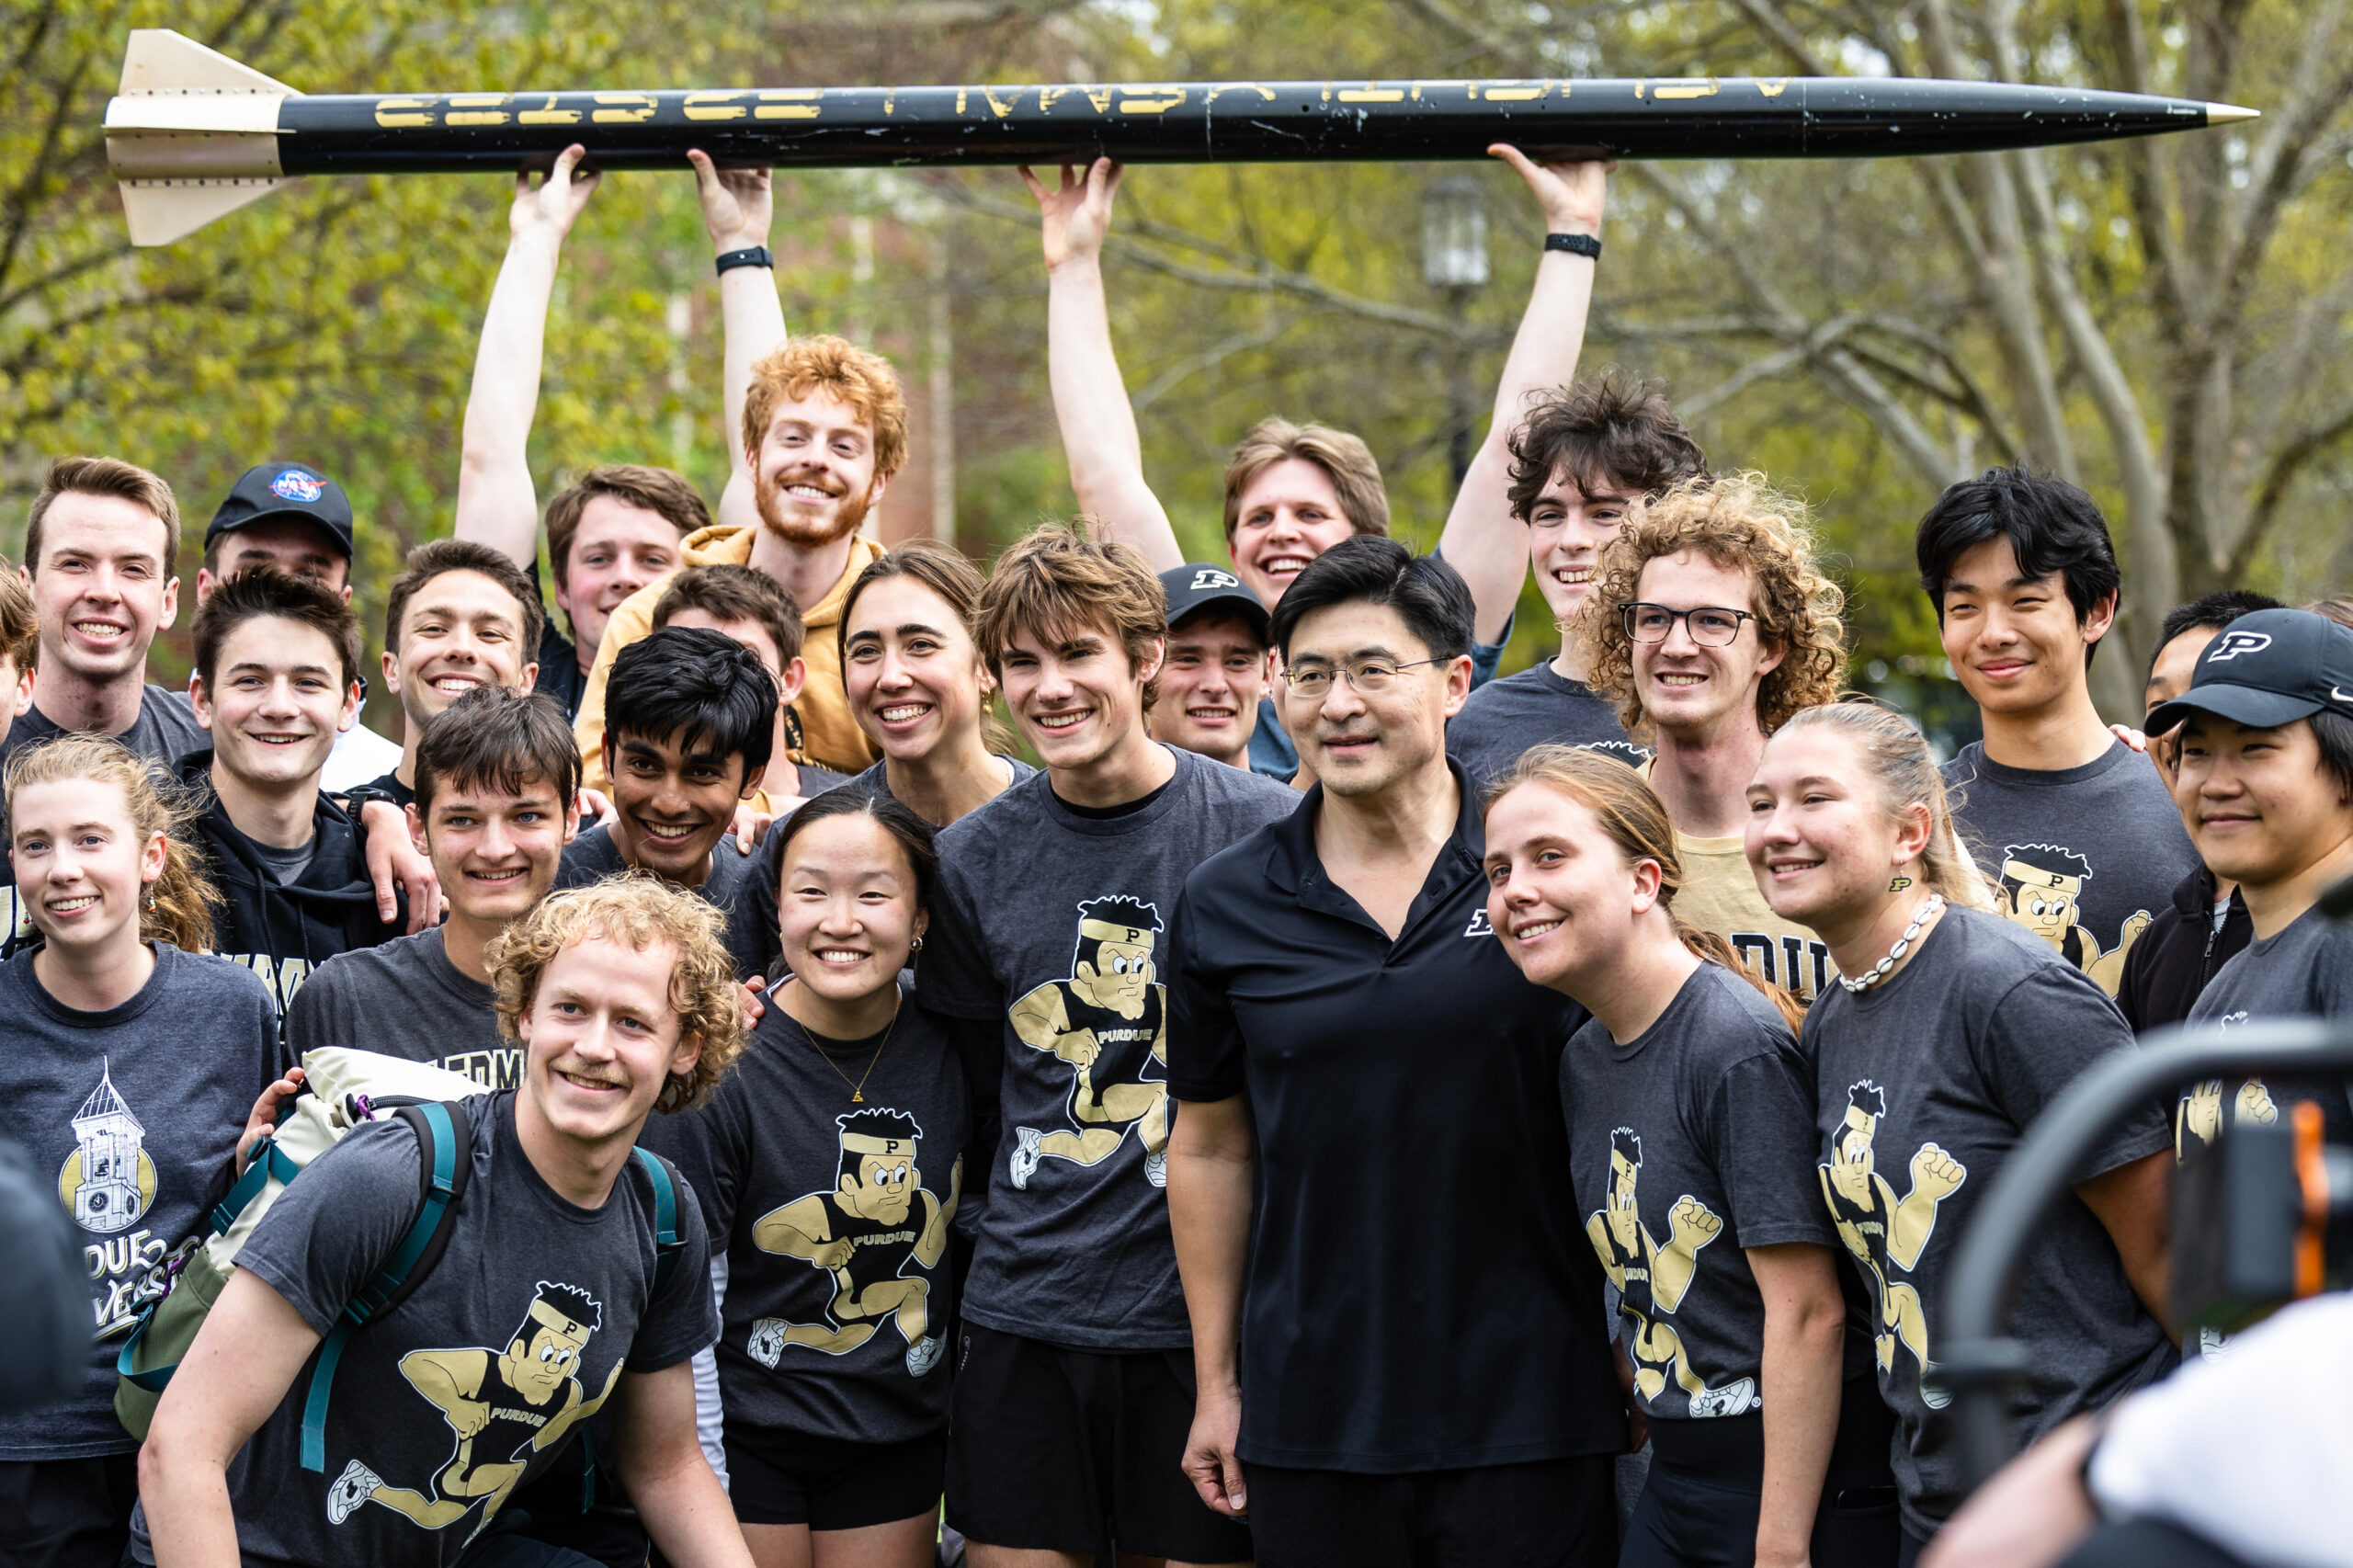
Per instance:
{"type": "Point", "coordinates": [1368, 678]}
{"type": "Point", "coordinates": [1709, 625]}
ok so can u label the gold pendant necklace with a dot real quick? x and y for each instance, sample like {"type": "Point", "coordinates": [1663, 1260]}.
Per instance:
{"type": "Point", "coordinates": [857, 1090]}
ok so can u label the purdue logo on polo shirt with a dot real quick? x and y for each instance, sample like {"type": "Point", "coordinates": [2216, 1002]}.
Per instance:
{"type": "Point", "coordinates": [1479, 925]}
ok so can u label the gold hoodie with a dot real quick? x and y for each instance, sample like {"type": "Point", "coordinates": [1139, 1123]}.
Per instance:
{"type": "Point", "coordinates": [829, 736]}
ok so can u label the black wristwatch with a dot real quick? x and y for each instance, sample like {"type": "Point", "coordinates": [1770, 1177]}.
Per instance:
{"type": "Point", "coordinates": [751, 255]}
{"type": "Point", "coordinates": [1575, 244]}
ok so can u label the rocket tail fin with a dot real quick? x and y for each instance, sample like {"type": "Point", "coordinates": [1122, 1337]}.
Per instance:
{"type": "Point", "coordinates": [161, 60]}
{"type": "Point", "coordinates": [162, 211]}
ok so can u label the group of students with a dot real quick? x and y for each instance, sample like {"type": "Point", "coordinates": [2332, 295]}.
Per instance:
{"type": "Point", "coordinates": [1326, 1112]}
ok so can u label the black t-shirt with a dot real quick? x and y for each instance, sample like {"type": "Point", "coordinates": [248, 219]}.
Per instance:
{"type": "Point", "coordinates": [389, 785]}
{"type": "Point", "coordinates": [441, 1408]}
{"type": "Point", "coordinates": [734, 887]}
{"type": "Point", "coordinates": [2303, 971]}
{"type": "Point", "coordinates": [133, 1114]}
{"type": "Point", "coordinates": [1420, 1294]}
{"type": "Point", "coordinates": [2084, 857]}
{"type": "Point", "coordinates": [1051, 926]}
{"type": "Point", "coordinates": [164, 732]}
{"type": "Point", "coordinates": [839, 1286]}
{"type": "Point", "coordinates": [560, 675]}
{"type": "Point", "coordinates": [1924, 1087]}
{"type": "Point", "coordinates": [1536, 707]}
{"type": "Point", "coordinates": [406, 999]}
{"type": "Point", "coordinates": [1689, 1143]}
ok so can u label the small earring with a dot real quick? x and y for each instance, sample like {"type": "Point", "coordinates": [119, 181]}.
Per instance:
{"type": "Point", "coordinates": [916, 946]}
{"type": "Point", "coordinates": [1899, 884]}
{"type": "Point", "coordinates": [148, 904]}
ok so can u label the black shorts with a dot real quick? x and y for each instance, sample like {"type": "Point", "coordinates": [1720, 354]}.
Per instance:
{"type": "Point", "coordinates": [1547, 1514]}
{"type": "Point", "coordinates": [66, 1513]}
{"type": "Point", "coordinates": [783, 1478]}
{"type": "Point", "coordinates": [1053, 1449]}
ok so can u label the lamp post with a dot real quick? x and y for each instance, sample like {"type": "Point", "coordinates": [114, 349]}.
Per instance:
{"type": "Point", "coordinates": [1454, 265]}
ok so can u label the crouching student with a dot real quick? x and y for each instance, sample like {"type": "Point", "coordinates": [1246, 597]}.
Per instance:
{"type": "Point", "coordinates": [543, 1311]}
{"type": "Point", "coordinates": [1948, 1031]}
{"type": "Point", "coordinates": [129, 1064]}
{"type": "Point", "coordinates": [1690, 1120]}
{"type": "Point", "coordinates": [829, 1164]}
{"type": "Point", "coordinates": [497, 774]}
{"type": "Point", "coordinates": [689, 722]}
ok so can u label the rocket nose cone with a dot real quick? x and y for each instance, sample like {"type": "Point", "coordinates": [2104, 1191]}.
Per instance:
{"type": "Point", "coordinates": [2225, 114]}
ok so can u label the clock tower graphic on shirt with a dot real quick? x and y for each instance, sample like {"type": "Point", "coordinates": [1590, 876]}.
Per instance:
{"type": "Point", "coordinates": [109, 1179]}
{"type": "Point", "coordinates": [1108, 1020]}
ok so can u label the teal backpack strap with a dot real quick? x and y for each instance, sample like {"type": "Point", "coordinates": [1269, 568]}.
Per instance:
{"type": "Point", "coordinates": [446, 1161]}
{"type": "Point", "coordinates": [264, 1160]}
{"type": "Point", "coordinates": [668, 1243]}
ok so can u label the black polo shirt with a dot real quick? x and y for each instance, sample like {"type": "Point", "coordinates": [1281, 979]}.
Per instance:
{"type": "Point", "coordinates": [1421, 1294]}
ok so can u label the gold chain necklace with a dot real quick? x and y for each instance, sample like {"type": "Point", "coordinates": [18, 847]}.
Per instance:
{"type": "Point", "coordinates": [857, 1090]}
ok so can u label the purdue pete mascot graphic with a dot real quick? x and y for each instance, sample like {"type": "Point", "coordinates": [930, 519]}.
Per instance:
{"type": "Point", "coordinates": [2042, 889]}
{"type": "Point", "coordinates": [504, 1405]}
{"type": "Point", "coordinates": [1881, 1232]}
{"type": "Point", "coordinates": [1653, 1280]}
{"type": "Point", "coordinates": [1109, 1020]}
{"type": "Point", "coordinates": [863, 1232]}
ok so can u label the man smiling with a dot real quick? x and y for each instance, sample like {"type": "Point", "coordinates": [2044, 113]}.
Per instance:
{"type": "Point", "coordinates": [462, 616]}
{"type": "Point", "coordinates": [1046, 956]}
{"type": "Point", "coordinates": [2266, 785]}
{"type": "Point", "coordinates": [99, 551]}
{"type": "Point", "coordinates": [1217, 670]}
{"type": "Point", "coordinates": [2074, 827]}
{"type": "Point", "coordinates": [1716, 628]}
{"type": "Point", "coordinates": [277, 678]}
{"type": "Point", "coordinates": [551, 1300]}
{"type": "Point", "coordinates": [1339, 998]}
{"type": "Point", "coordinates": [495, 776]}
{"type": "Point", "coordinates": [689, 722]}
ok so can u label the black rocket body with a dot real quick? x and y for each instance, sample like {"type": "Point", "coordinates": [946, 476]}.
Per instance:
{"type": "Point", "coordinates": [190, 120]}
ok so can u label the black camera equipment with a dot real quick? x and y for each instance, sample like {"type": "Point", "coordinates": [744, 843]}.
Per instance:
{"type": "Point", "coordinates": [2262, 1217]}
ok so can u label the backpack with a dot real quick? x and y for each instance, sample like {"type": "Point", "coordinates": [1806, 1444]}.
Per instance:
{"type": "Point", "coordinates": [342, 1088]}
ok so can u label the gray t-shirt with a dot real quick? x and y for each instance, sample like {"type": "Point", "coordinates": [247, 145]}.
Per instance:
{"type": "Point", "coordinates": [475, 1383]}
{"type": "Point", "coordinates": [134, 1113]}
{"type": "Point", "coordinates": [834, 1216]}
{"type": "Point", "coordinates": [1688, 1145]}
{"type": "Point", "coordinates": [406, 999]}
{"type": "Point", "coordinates": [164, 732]}
{"type": "Point", "coordinates": [733, 888]}
{"type": "Point", "coordinates": [1536, 707]}
{"type": "Point", "coordinates": [2305, 970]}
{"type": "Point", "coordinates": [878, 777]}
{"type": "Point", "coordinates": [287, 864]}
{"type": "Point", "coordinates": [1923, 1086]}
{"type": "Point", "coordinates": [1055, 921]}
{"type": "Point", "coordinates": [2082, 857]}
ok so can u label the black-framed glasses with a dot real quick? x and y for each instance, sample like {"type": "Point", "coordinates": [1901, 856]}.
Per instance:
{"type": "Point", "coordinates": [1711, 626]}
{"type": "Point", "coordinates": [1368, 678]}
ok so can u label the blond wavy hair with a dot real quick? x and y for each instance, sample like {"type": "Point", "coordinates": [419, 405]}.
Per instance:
{"type": "Point", "coordinates": [1739, 522]}
{"type": "Point", "coordinates": [635, 911]}
{"type": "Point", "coordinates": [177, 906]}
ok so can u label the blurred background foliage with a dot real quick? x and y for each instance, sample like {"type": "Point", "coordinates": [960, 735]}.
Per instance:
{"type": "Point", "coordinates": [2164, 321]}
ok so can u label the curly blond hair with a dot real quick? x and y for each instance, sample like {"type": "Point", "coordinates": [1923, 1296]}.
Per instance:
{"type": "Point", "coordinates": [1738, 522]}
{"type": "Point", "coordinates": [636, 911]}
{"type": "Point", "coordinates": [822, 363]}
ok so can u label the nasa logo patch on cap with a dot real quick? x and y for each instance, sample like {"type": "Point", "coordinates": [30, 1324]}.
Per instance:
{"type": "Point", "coordinates": [293, 484]}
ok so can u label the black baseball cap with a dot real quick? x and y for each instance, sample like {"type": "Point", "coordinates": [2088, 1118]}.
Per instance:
{"type": "Point", "coordinates": [1197, 584]}
{"type": "Point", "coordinates": [2269, 668]}
{"type": "Point", "coordinates": [285, 490]}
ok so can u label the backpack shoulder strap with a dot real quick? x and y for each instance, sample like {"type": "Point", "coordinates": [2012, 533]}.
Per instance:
{"type": "Point", "coordinates": [445, 1163]}
{"type": "Point", "coordinates": [668, 1243]}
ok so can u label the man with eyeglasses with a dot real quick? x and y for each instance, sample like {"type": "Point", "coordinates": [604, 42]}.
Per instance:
{"type": "Point", "coordinates": [1716, 628]}
{"type": "Point", "coordinates": [1367, 1120]}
